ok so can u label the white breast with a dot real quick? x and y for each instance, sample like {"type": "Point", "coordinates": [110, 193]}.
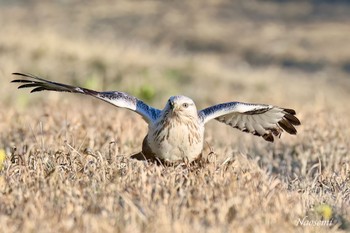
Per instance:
{"type": "Point", "coordinates": [174, 140]}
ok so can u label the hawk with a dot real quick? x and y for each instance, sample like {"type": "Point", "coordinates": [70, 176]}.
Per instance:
{"type": "Point", "coordinates": [176, 133]}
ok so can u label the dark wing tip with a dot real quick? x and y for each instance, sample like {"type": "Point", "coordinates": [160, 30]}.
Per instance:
{"type": "Point", "coordinates": [290, 111]}
{"type": "Point", "coordinates": [39, 84]}
{"type": "Point", "coordinates": [268, 137]}
{"type": "Point", "coordinates": [292, 119]}
{"type": "Point", "coordinates": [21, 81]}
{"type": "Point", "coordinates": [36, 83]}
{"type": "Point", "coordinates": [287, 126]}
{"type": "Point", "coordinates": [24, 75]}
{"type": "Point", "coordinates": [28, 85]}
{"type": "Point", "coordinates": [38, 89]}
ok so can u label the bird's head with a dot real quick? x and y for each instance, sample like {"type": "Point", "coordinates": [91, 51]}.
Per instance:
{"type": "Point", "coordinates": [181, 105]}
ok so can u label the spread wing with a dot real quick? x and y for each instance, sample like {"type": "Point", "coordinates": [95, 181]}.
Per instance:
{"type": "Point", "coordinates": [258, 119]}
{"type": "Point", "coordinates": [119, 99]}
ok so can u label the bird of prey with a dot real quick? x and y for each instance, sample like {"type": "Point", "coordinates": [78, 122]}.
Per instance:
{"type": "Point", "coordinates": [176, 133]}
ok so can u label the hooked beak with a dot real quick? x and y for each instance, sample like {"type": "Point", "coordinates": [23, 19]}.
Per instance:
{"type": "Point", "coordinates": [173, 106]}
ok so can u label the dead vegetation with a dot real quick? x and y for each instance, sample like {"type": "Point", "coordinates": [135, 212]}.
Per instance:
{"type": "Point", "coordinates": [67, 166]}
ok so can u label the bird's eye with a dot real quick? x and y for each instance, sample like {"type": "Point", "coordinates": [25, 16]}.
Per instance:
{"type": "Point", "coordinates": [185, 105]}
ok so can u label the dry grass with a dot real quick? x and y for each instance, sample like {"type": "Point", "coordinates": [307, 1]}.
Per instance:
{"type": "Point", "coordinates": [67, 167]}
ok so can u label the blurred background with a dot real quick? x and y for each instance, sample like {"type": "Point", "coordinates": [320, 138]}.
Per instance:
{"type": "Point", "coordinates": [294, 54]}
{"type": "Point", "coordinates": [156, 48]}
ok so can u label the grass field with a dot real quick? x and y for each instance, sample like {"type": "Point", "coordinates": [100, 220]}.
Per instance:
{"type": "Point", "coordinates": [64, 159]}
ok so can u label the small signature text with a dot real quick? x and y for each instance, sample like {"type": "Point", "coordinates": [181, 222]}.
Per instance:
{"type": "Point", "coordinates": [306, 221]}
